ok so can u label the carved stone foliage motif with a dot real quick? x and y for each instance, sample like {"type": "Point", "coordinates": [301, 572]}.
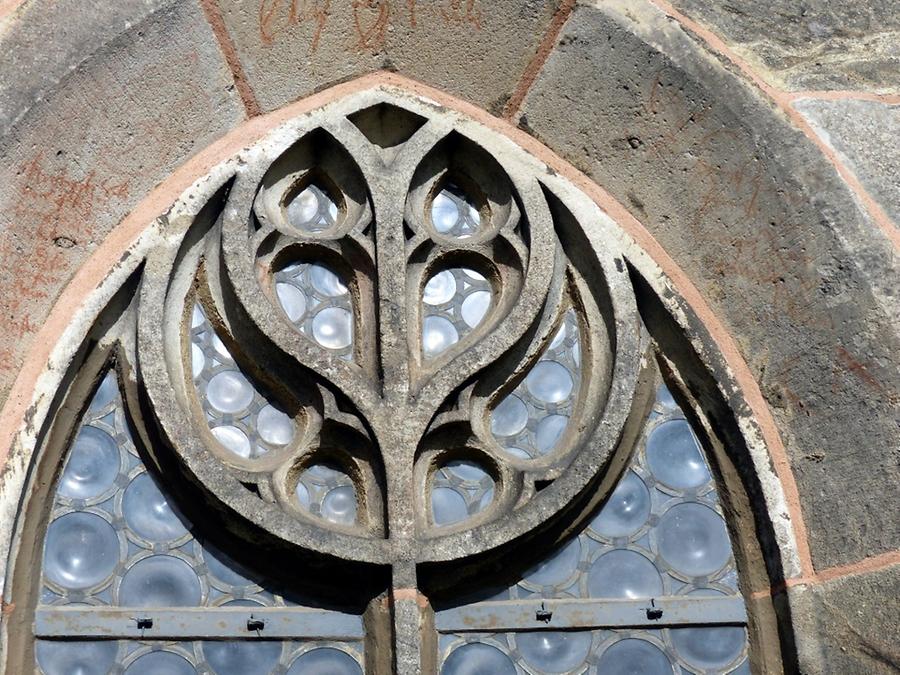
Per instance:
{"type": "Point", "coordinates": [390, 336]}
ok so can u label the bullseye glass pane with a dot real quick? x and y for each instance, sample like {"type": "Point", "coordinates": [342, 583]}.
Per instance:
{"type": "Point", "coordinates": [531, 421]}
{"type": "Point", "coordinates": [438, 335]}
{"type": "Point", "coordinates": [318, 302]}
{"type": "Point", "coordinates": [157, 663]}
{"type": "Point", "coordinates": [624, 574]}
{"type": "Point", "coordinates": [160, 581]}
{"type": "Point", "coordinates": [327, 492]}
{"type": "Point", "coordinates": [711, 648]}
{"type": "Point", "coordinates": [558, 569]}
{"type": "Point", "coordinates": [75, 657]}
{"type": "Point", "coordinates": [242, 418]}
{"type": "Point", "coordinates": [148, 512]}
{"type": "Point", "coordinates": [627, 509]}
{"type": "Point", "coordinates": [93, 464]}
{"type": "Point", "coordinates": [674, 456]}
{"type": "Point", "coordinates": [635, 656]}
{"type": "Point", "coordinates": [459, 490]}
{"type": "Point", "coordinates": [242, 657]}
{"type": "Point", "coordinates": [225, 572]}
{"type": "Point", "coordinates": [455, 301]}
{"type": "Point", "coordinates": [325, 660]}
{"type": "Point", "coordinates": [693, 539]}
{"type": "Point", "coordinates": [454, 214]}
{"type": "Point", "coordinates": [554, 651]}
{"type": "Point", "coordinates": [81, 550]}
{"type": "Point", "coordinates": [311, 210]}
{"type": "Point", "coordinates": [472, 658]}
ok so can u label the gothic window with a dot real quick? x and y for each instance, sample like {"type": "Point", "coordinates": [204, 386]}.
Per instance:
{"type": "Point", "coordinates": [381, 399]}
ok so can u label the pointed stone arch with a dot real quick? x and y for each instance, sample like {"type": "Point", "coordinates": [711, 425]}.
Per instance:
{"type": "Point", "coordinates": [691, 359]}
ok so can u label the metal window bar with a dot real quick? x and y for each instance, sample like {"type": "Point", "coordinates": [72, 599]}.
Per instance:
{"type": "Point", "coordinates": [537, 614]}
{"type": "Point", "coordinates": [176, 623]}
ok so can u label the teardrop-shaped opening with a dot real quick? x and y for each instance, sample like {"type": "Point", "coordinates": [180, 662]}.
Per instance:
{"type": "Point", "coordinates": [316, 299]}
{"type": "Point", "coordinates": [314, 188]}
{"type": "Point", "coordinates": [458, 490]}
{"type": "Point", "coordinates": [460, 192]}
{"type": "Point", "coordinates": [455, 302]}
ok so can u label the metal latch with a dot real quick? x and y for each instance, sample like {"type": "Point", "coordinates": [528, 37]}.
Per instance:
{"type": "Point", "coordinates": [543, 614]}
{"type": "Point", "coordinates": [143, 623]}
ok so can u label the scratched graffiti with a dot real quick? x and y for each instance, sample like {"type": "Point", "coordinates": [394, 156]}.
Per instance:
{"type": "Point", "coordinates": [371, 20]}
{"type": "Point", "coordinates": [739, 189]}
{"type": "Point", "coordinates": [54, 212]}
{"type": "Point", "coordinates": [769, 255]}
{"type": "Point", "coordinates": [54, 197]}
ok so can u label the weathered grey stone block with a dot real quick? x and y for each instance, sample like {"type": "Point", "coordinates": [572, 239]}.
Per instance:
{"type": "Point", "coordinates": [849, 625]}
{"type": "Point", "coordinates": [474, 49]}
{"type": "Point", "coordinates": [73, 167]}
{"type": "Point", "coordinates": [866, 134]}
{"type": "Point", "coordinates": [41, 47]}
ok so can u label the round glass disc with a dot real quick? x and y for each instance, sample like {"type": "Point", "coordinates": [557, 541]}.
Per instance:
{"type": "Point", "coordinates": [478, 659]}
{"type": "Point", "coordinates": [80, 551]}
{"type": "Point", "coordinates": [92, 466]}
{"type": "Point", "coordinates": [693, 539]}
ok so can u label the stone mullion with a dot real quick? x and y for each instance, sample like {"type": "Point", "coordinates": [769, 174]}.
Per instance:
{"type": "Point", "coordinates": [408, 619]}
{"type": "Point", "coordinates": [397, 426]}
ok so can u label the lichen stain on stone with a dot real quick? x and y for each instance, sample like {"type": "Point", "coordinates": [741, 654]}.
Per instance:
{"type": "Point", "coordinates": [29, 417]}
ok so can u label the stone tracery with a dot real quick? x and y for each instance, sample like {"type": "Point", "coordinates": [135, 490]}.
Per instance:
{"type": "Point", "coordinates": [395, 351]}
{"type": "Point", "coordinates": [428, 283]}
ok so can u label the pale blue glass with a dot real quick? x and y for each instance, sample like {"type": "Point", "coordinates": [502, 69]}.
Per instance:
{"type": "Point", "coordinates": [76, 657]}
{"type": "Point", "coordinates": [478, 659]}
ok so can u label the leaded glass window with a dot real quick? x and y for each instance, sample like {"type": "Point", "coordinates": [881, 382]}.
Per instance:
{"type": "Point", "coordinates": [657, 553]}
{"type": "Point", "coordinates": [382, 400]}
{"type": "Point", "coordinates": [130, 586]}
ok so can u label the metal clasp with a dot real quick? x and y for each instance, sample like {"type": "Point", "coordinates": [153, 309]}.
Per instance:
{"type": "Point", "coordinates": [653, 612]}
{"type": "Point", "coordinates": [543, 614]}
